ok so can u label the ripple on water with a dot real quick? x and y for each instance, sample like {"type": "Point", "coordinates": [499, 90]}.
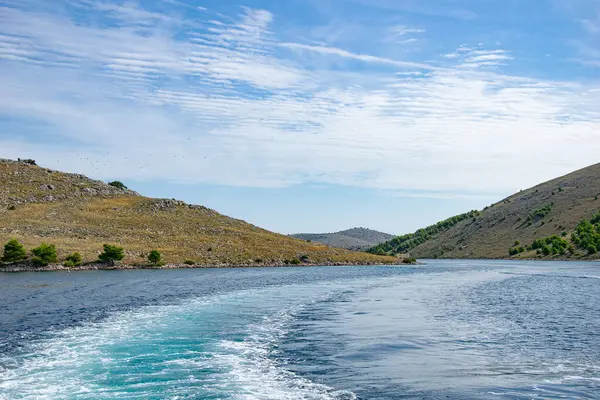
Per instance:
{"type": "Point", "coordinates": [500, 330]}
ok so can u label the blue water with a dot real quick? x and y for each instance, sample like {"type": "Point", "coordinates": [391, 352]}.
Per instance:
{"type": "Point", "coordinates": [446, 330]}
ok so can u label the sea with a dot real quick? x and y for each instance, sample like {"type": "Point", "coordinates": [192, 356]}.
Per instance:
{"type": "Point", "coordinates": [441, 330]}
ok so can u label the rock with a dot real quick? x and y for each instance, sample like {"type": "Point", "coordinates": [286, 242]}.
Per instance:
{"type": "Point", "coordinates": [166, 204]}
{"type": "Point", "coordinates": [90, 191]}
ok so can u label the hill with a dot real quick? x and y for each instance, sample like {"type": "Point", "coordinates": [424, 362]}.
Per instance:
{"type": "Point", "coordinates": [78, 214]}
{"type": "Point", "coordinates": [351, 239]}
{"type": "Point", "coordinates": [543, 221]}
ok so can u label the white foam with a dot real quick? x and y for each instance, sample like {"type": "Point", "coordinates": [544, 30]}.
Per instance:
{"type": "Point", "coordinates": [83, 362]}
{"type": "Point", "coordinates": [61, 365]}
{"type": "Point", "coordinates": [258, 376]}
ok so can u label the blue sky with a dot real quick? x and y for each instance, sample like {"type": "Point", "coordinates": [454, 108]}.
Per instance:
{"type": "Point", "coordinates": [312, 115]}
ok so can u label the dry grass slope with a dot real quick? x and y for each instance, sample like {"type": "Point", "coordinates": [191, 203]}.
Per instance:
{"type": "Point", "coordinates": [572, 197]}
{"type": "Point", "coordinates": [78, 214]}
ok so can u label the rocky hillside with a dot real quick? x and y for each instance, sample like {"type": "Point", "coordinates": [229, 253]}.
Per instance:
{"type": "Point", "coordinates": [351, 239]}
{"type": "Point", "coordinates": [553, 208]}
{"type": "Point", "coordinates": [79, 214]}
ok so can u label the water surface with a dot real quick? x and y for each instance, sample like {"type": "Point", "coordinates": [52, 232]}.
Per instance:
{"type": "Point", "coordinates": [446, 330]}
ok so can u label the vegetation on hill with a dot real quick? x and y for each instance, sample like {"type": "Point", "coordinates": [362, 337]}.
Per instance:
{"type": "Point", "coordinates": [14, 251]}
{"type": "Point", "coordinates": [585, 240]}
{"type": "Point", "coordinates": [118, 185]}
{"type": "Point", "coordinates": [154, 257]}
{"type": "Point", "coordinates": [587, 235]}
{"type": "Point", "coordinates": [73, 260]}
{"type": "Point", "coordinates": [540, 213]}
{"type": "Point", "coordinates": [552, 245]}
{"type": "Point", "coordinates": [403, 244]}
{"type": "Point", "coordinates": [111, 254]}
{"type": "Point", "coordinates": [44, 254]}
{"type": "Point", "coordinates": [80, 215]}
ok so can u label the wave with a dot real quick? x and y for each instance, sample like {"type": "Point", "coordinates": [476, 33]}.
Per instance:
{"type": "Point", "coordinates": [219, 347]}
{"type": "Point", "coordinates": [259, 376]}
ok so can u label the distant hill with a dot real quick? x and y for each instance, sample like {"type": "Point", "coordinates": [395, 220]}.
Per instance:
{"type": "Point", "coordinates": [78, 214]}
{"type": "Point", "coordinates": [351, 239]}
{"type": "Point", "coordinates": [522, 224]}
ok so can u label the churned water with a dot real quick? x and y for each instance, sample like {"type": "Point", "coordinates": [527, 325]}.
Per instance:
{"type": "Point", "coordinates": [446, 330]}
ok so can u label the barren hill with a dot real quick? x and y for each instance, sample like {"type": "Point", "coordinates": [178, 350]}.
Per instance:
{"type": "Point", "coordinates": [79, 214]}
{"type": "Point", "coordinates": [552, 208]}
{"type": "Point", "coordinates": [351, 239]}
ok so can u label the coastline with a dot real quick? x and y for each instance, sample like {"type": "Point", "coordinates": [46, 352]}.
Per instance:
{"type": "Point", "coordinates": [16, 268]}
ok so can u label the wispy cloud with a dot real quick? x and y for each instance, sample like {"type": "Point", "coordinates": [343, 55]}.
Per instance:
{"type": "Point", "coordinates": [586, 13]}
{"type": "Point", "coordinates": [360, 57]}
{"type": "Point", "coordinates": [191, 95]}
{"type": "Point", "coordinates": [403, 30]}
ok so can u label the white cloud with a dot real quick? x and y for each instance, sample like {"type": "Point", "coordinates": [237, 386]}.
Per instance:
{"type": "Point", "coordinates": [402, 30]}
{"type": "Point", "coordinates": [347, 54]}
{"type": "Point", "coordinates": [219, 100]}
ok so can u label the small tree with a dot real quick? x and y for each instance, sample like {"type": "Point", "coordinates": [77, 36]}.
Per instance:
{"type": "Point", "coordinates": [111, 254]}
{"type": "Point", "coordinates": [154, 257]}
{"type": "Point", "coordinates": [73, 260]}
{"type": "Point", "coordinates": [14, 251]}
{"type": "Point", "coordinates": [44, 255]}
{"type": "Point", "coordinates": [118, 185]}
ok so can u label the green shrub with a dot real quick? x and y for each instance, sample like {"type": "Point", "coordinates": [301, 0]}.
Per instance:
{"type": "Point", "coordinates": [118, 185]}
{"type": "Point", "coordinates": [304, 258]}
{"type": "Point", "coordinates": [587, 234]}
{"type": "Point", "coordinates": [295, 261]}
{"type": "Point", "coordinates": [44, 254]}
{"type": "Point", "coordinates": [258, 261]}
{"type": "Point", "coordinates": [74, 260]}
{"type": "Point", "coordinates": [409, 260]}
{"type": "Point", "coordinates": [14, 251]}
{"type": "Point", "coordinates": [516, 250]}
{"type": "Point", "coordinates": [595, 218]}
{"type": "Point", "coordinates": [189, 262]}
{"type": "Point", "coordinates": [111, 254]}
{"type": "Point", "coordinates": [540, 212]}
{"type": "Point", "coordinates": [550, 245]}
{"type": "Point", "coordinates": [154, 257]}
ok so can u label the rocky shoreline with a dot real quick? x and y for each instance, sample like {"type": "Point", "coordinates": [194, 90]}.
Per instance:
{"type": "Point", "coordinates": [28, 267]}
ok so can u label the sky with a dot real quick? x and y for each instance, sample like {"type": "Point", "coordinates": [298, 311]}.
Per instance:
{"type": "Point", "coordinates": [306, 115]}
